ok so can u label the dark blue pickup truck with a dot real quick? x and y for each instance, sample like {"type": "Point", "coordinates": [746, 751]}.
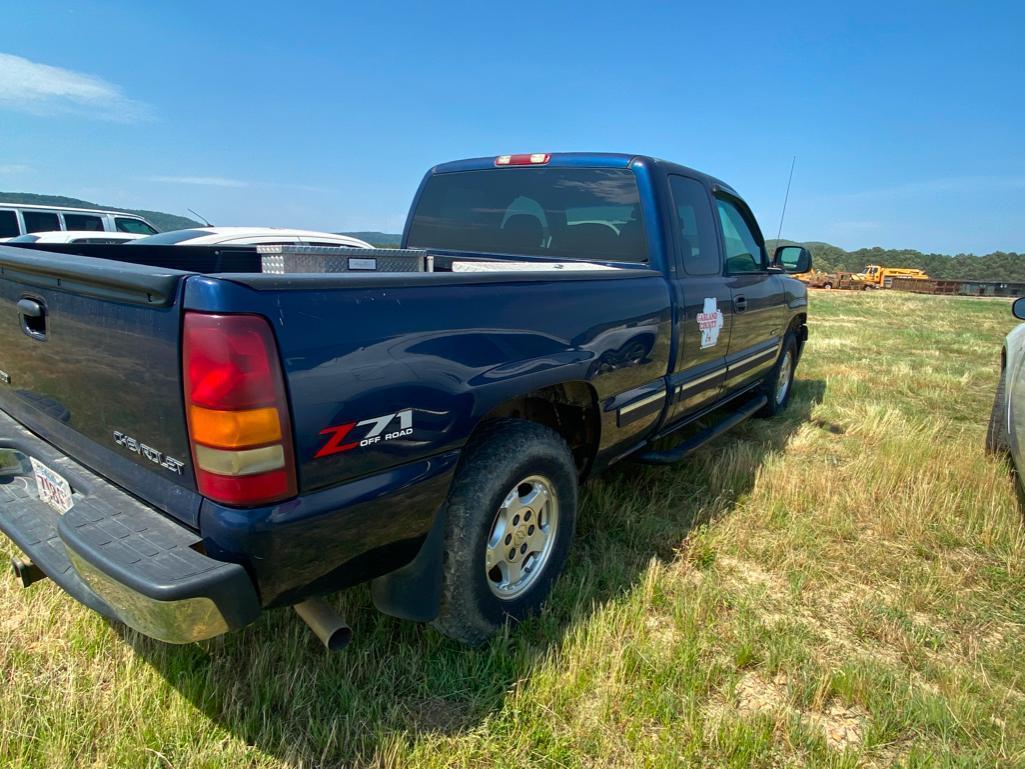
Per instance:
{"type": "Point", "coordinates": [184, 446]}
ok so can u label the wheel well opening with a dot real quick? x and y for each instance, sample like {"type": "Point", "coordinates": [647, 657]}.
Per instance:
{"type": "Point", "coordinates": [571, 409]}
{"type": "Point", "coordinates": [801, 319]}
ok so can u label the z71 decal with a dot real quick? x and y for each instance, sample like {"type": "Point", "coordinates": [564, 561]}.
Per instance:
{"type": "Point", "coordinates": [343, 437]}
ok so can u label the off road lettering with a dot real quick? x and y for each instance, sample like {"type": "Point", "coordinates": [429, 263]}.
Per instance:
{"type": "Point", "coordinates": [372, 430]}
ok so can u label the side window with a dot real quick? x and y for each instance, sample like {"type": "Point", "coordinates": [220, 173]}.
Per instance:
{"type": "Point", "coordinates": [134, 226]}
{"type": "Point", "coordinates": [696, 233]}
{"type": "Point", "coordinates": [743, 252]}
{"type": "Point", "coordinates": [41, 221]}
{"type": "Point", "coordinates": [84, 222]}
{"type": "Point", "coordinates": [9, 224]}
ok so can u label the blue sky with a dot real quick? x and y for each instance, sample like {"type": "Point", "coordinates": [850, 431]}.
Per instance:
{"type": "Point", "coordinates": [907, 119]}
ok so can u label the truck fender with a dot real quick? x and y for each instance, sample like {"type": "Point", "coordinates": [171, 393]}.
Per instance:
{"type": "Point", "coordinates": [413, 592]}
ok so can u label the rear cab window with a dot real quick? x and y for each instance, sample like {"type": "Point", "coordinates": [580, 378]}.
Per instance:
{"type": "Point", "coordinates": [564, 213]}
{"type": "Point", "coordinates": [134, 226]}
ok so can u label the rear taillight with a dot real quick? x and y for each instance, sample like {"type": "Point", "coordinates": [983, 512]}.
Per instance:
{"type": "Point", "coordinates": [237, 410]}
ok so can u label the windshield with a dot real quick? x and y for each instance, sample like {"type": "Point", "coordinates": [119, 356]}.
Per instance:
{"type": "Point", "coordinates": [567, 213]}
{"type": "Point", "coordinates": [24, 239]}
{"type": "Point", "coordinates": [168, 238]}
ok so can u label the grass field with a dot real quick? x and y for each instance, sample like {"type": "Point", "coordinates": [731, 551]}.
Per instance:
{"type": "Point", "coordinates": [841, 586]}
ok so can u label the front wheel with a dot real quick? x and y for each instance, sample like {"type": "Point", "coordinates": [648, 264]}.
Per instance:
{"type": "Point", "coordinates": [996, 434]}
{"type": "Point", "coordinates": [510, 517]}
{"type": "Point", "coordinates": [780, 380]}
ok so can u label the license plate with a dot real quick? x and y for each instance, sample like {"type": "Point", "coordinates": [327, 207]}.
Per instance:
{"type": "Point", "coordinates": [53, 489]}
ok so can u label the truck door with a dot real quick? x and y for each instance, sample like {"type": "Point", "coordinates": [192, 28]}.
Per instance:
{"type": "Point", "coordinates": [757, 295]}
{"type": "Point", "coordinates": [703, 300]}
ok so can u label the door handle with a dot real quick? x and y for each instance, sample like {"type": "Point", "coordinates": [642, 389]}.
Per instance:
{"type": "Point", "coordinates": [740, 303]}
{"type": "Point", "coordinates": [30, 307]}
{"type": "Point", "coordinates": [33, 318]}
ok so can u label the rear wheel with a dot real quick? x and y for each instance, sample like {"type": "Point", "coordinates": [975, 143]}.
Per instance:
{"type": "Point", "coordinates": [996, 435]}
{"type": "Point", "coordinates": [779, 381]}
{"type": "Point", "coordinates": [510, 517]}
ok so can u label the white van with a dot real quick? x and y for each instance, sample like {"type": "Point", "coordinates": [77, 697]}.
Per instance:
{"type": "Point", "coordinates": [21, 219]}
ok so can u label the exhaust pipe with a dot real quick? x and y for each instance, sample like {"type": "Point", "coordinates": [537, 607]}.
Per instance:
{"type": "Point", "coordinates": [325, 622]}
{"type": "Point", "coordinates": [26, 571]}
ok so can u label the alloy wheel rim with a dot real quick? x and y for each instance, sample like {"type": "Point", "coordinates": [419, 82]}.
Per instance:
{"type": "Point", "coordinates": [783, 384]}
{"type": "Point", "coordinates": [522, 537]}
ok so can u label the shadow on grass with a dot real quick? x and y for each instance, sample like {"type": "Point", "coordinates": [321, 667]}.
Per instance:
{"type": "Point", "coordinates": [273, 687]}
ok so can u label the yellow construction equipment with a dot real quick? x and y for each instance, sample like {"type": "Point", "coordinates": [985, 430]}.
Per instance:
{"type": "Point", "coordinates": [876, 276]}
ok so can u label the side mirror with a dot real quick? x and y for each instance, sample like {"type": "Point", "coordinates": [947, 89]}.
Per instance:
{"type": "Point", "coordinates": [1018, 308]}
{"type": "Point", "coordinates": [793, 259]}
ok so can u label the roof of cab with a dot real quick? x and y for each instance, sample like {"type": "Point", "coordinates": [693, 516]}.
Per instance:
{"type": "Point", "coordinates": [74, 209]}
{"type": "Point", "coordinates": [584, 160]}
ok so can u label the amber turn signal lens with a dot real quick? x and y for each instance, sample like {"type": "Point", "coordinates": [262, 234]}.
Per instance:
{"type": "Point", "coordinates": [233, 429]}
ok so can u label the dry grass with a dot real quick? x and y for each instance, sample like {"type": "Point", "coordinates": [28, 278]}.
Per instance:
{"type": "Point", "coordinates": [841, 586]}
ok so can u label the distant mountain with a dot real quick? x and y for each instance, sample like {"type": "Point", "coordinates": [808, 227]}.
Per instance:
{"type": "Point", "coordinates": [379, 239]}
{"type": "Point", "coordinates": [162, 221]}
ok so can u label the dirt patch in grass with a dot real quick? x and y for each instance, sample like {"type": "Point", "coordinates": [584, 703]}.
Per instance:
{"type": "Point", "coordinates": [840, 726]}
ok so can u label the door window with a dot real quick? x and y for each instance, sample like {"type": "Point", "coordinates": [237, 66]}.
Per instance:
{"type": "Point", "coordinates": [744, 253]}
{"type": "Point", "coordinates": [83, 222]}
{"type": "Point", "coordinates": [695, 226]}
{"type": "Point", "coordinates": [41, 221]}
{"type": "Point", "coordinates": [9, 224]}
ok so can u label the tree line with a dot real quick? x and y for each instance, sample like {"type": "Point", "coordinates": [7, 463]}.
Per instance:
{"type": "Point", "coordinates": [1000, 266]}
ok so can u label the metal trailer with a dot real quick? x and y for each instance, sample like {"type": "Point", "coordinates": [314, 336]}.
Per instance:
{"type": "Point", "coordinates": [931, 286]}
{"type": "Point", "coordinates": [958, 287]}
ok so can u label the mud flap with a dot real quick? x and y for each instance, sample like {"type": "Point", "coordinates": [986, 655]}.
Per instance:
{"type": "Point", "coordinates": [414, 591]}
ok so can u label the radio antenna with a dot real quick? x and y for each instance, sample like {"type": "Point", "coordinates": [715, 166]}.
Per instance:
{"type": "Point", "coordinates": [204, 220]}
{"type": "Point", "coordinates": [785, 199]}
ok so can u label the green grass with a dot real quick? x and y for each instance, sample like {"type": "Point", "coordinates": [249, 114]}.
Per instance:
{"type": "Point", "coordinates": [841, 586]}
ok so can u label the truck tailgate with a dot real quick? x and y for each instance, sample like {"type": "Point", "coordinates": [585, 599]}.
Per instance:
{"type": "Point", "coordinates": [89, 361]}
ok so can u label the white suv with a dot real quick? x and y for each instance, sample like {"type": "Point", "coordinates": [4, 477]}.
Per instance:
{"type": "Point", "coordinates": [23, 219]}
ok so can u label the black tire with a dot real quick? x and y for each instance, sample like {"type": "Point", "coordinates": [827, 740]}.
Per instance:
{"type": "Point", "coordinates": [827, 286]}
{"type": "Point", "coordinates": [770, 386]}
{"type": "Point", "coordinates": [496, 464]}
{"type": "Point", "coordinates": [996, 434]}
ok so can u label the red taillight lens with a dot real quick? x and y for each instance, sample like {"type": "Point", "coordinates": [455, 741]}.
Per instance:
{"type": "Point", "coordinates": [234, 390]}
{"type": "Point", "coordinates": [229, 361]}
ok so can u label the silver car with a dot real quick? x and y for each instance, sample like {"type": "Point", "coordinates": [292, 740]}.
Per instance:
{"type": "Point", "coordinates": [1006, 433]}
